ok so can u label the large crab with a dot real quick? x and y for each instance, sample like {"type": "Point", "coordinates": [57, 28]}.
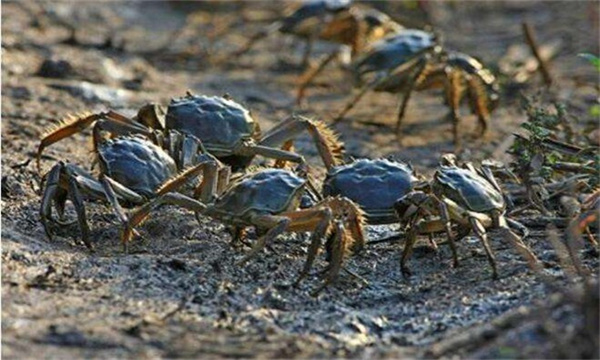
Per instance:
{"type": "Point", "coordinates": [375, 185]}
{"type": "Point", "coordinates": [413, 60]}
{"type": "Point", "coordinates": [466, 196]}
{"type": "Point", "coordinates": [337, 21]}
{"type": "Point", "coordinates": [230, 133]}
{"type": "Point", "coordinates": [132, 170]}
{"type": "Point", "coordinates": [269, 200]}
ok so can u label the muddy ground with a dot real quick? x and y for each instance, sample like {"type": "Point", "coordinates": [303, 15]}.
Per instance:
{"type": "Point", "coordinates": [178, 292]}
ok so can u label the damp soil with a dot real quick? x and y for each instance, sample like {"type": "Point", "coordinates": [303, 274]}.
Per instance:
{"type": "Point", "coordinates": [178, 291]}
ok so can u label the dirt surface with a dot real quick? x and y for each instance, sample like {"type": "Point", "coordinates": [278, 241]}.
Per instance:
{"type": "Point", "coordinates": [178, 293]}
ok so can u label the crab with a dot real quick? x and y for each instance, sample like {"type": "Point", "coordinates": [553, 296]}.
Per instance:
{"type": "Point", "coordinates": [375, 185]}
{"type": "Point", "coordinates": [413, 60]}
{"type": "Point", "coordinates": [467, 196]}
{"type": "Point", "coordinates": [337, 21]}
{"type": "Point", "coordinates": [229, 132]}
{"type": "Point", "coordinates": [132, 170]}
{"type": "Point", "coordinates": [268, 200]}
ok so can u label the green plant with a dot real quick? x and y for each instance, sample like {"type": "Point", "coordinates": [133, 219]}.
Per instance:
{"type": "Point", "coordinates": [593, 59]}
{"type": "Point", "coordinates": [532, 159]}
{"type": "Point", "coordinates": [594, 110]}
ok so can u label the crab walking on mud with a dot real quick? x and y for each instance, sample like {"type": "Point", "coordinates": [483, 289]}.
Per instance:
{"type": "Point", "coordinates": [229, 132]}
{"type": "Point", "coordinates": [412, 60]}
{"type": "Point", "coordinates": [269, 200]}
{"type": "Point", "coordinates": [132, 169]}
{"type": "Point", "coordinates": [466, 196]}
{"type": "Point", "coordinates": [375, 185]}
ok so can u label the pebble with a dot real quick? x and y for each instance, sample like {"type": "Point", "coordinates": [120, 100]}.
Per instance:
{"type": "Point", "coordinates": [95, 92]}
{"type": "Point", "coordinates": [55, 68]}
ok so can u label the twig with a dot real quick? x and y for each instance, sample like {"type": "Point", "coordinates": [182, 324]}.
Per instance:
{"type": "Point", "coordinates": [528, 32]}
{"type": "Point", "coordinates": [356, 276]}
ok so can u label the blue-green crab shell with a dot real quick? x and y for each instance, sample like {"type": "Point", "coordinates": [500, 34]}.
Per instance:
{"type": "Point", "coordinates": [270, 191]}
{"type": "Point", "coordinates": [136, 163]}
{"type": "Point", "coordinates": [467, 189]}
{"type": "Point", "coordinates": [374, 185]}
{"type": "Point", "coordinates": [394, 50]}
{"type": "Point", "coordinates": [218, 122]}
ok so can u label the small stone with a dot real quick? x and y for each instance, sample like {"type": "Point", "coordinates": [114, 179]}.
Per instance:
{"type": "Point", "coordinates": [55, 68]}
{"type": "Point", "coordinates": [95, 92]}
{"type": "Point", "coordinates": [20, 92]}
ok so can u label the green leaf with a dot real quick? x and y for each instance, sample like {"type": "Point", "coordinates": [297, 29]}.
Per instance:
{"type": "Point", "coordinates": [506, 352]}
{"type": "Point", "coordinates": [592, 59]}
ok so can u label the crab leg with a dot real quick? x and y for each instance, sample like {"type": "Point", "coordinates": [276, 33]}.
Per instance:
{"type": "Point", "coordinates": [269, 152]}
{"type": "Point", "coordinates": [52, 192]}
{"type": "Point", "coordinates": [259, 36]}
{"type": "Point", "coordinates": [420, 64]}
{"type": "Point", "coordinates": [339, 241]}
{"type": "Point", "coordinates": [518, 226]}
{"type": "Point", "coordinates": [478, 98]}
{"type": "Point", "coordinates": [352, 216]}
{"type": "Point", "coordinates": [223, 179]}
{"type": "Point", "coordinates": [445, 215]}
{"type": "Point", "coordinates": [143, 211]}
{"type": "Point", "coordinates": [523, 249]}
{"type": "Point", "coordinates": [307, 78]}
{"type": "Point", "coordinates": [322, 218]}
{"type": "Point", "coordinates": [411, 238]}
{"type": "Point", "coordinates": [65, 180]}
{"type": "Point", "coordinates": [120, 191]}
{"type": "Point", "coordinates": [452, 88]}
{"type": "Point", "coordinates": [317, 220]}
{"type": "Point", "coordinates": [238, 234]}
{"type": "Point", "coordinates": [277, 225]}
{"type": "Point", "coordinates": [77, 200]}
{"type": "Point", "coordinates": [287, 146]}
{"type": "Point", "coordinates": [111, 196]}
{"type": "Point", "coordinates": [60, 200]}
{"type": "Point", "coordinates": [325, 140]}
{"type": "Point", "coordinates": [481, 234]}
{"type": "Point", "coordinates": [116, 123]}
{"type": "Point", "coordinates": [206, 190]}
{"type": "Point", "coordinates": [66, 127]}
{"type": "Point", "coordinates": [188, 154]}
{"type": "Point", "coordinates": [72, 125]}
{"type": "Point", "coordinates": [359, 95]}
{"type": "Point", "coordinates": [420, 74]}
{"type": "Point", "coordinates": [152, 115]}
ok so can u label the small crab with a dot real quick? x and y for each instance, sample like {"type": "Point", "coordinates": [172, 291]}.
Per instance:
{"type": "Point", "coordinates": [468, 197]}
{"type": "Point", "coordinates": [413, 60]}
{"type": "Point", "coordinates": [269, 200]}
{"type": "Point", "coordinates": [375, 185]}
{"type": "Point", "coordinates": [132, 170]}
{"type": "Point", "coordinates": [231, 134]}
{"type": "Point", "coordinates": [337, 21]}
